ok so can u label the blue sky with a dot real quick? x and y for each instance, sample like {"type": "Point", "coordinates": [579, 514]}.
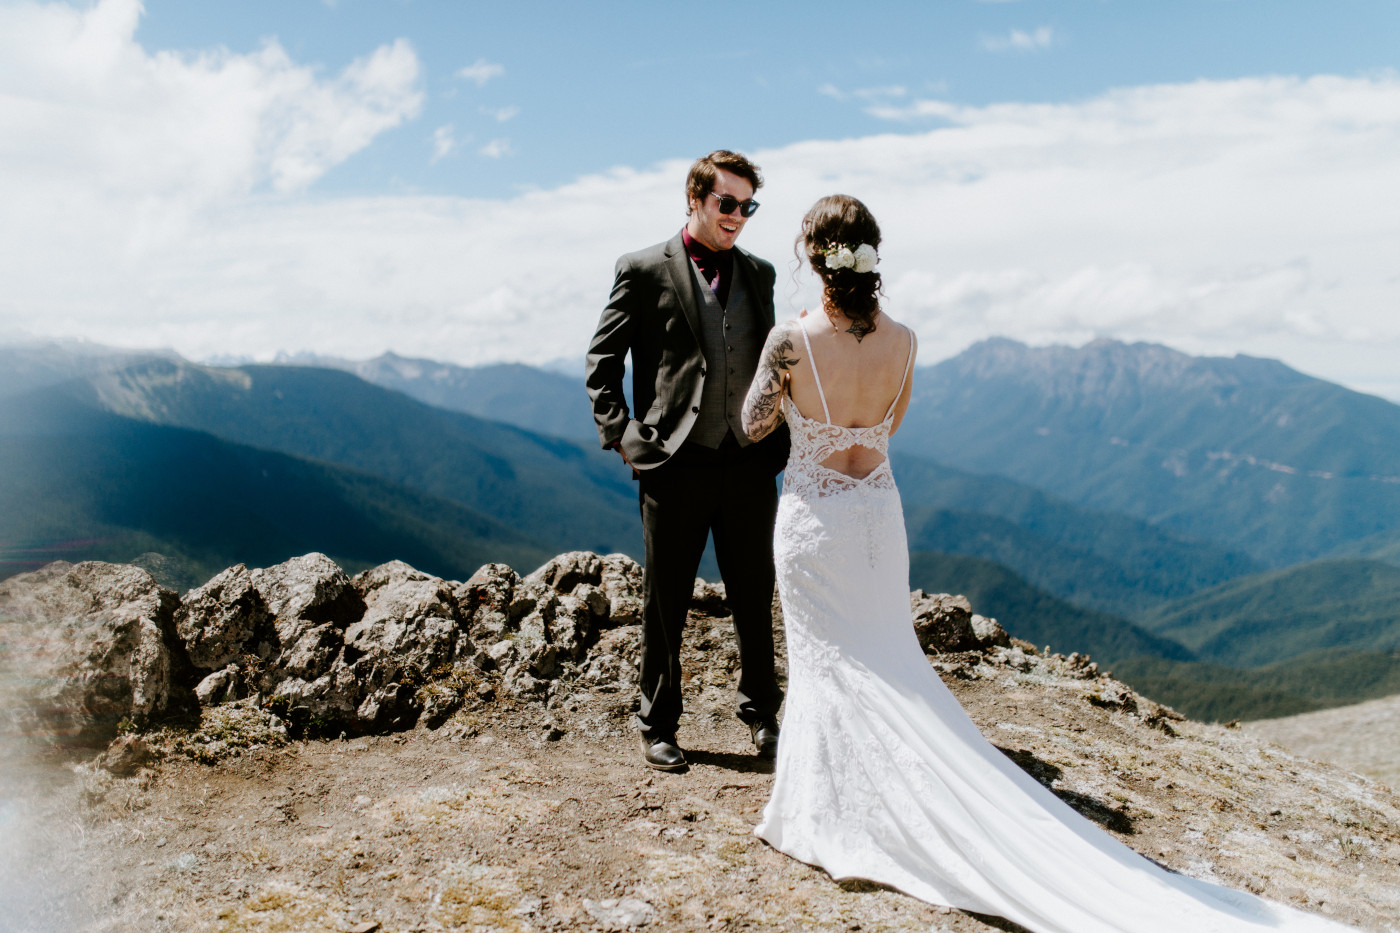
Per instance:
{"type": "Point", "coordinates": [455, 180]}
{"type": "Point", "coordinates": [588, 86]}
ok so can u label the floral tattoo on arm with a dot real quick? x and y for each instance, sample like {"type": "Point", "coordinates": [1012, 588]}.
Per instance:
{"type": "Point", "coordinates": [762, 408]}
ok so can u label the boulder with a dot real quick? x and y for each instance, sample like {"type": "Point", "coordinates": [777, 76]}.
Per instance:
{"type": "Point", "coordinates": [621, 582]}
{"type": "Point", "coordinates": [410, 617]}
{"type": "Point", "coordinates": [943, 623]}
{"type": "Point", "coordinates": [485, 601]}
{"type": "Point", "coordinates": [218, 687]}
{"type": "Point", "coordinates": [93, 644]}
{"type": "Point", "coordinates": [412, 630]}
{"type": "Point", "coordinates": [708, 599]}
{"type": "Point", "coordinates": [311, 602]}
{"type": "Point", "coordinates": [306, 592]}
{"type": "Point", "coordinates": [525, 629]}
{"type": "Point", "coordinates": [567, 571]}
{"type": "Point", "coordinates": [989, 633]}
{"type": "Point", "coordinates": [218, 621]}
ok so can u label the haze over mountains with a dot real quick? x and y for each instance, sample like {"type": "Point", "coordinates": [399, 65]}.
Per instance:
{"type": "Point", "coordinates": [1223, 529]}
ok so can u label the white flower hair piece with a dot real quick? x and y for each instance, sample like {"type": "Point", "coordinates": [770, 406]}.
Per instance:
{"type": "Point", "coordinates": [863, 258]}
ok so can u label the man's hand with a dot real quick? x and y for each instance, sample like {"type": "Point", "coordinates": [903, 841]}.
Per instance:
{"type": "Point", "coordinates": [617, 446]}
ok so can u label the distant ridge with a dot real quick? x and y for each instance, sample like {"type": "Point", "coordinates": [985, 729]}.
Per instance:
{"type": "Point", "coordinates": [1245, 453]}
{"type": "Point", "coordinates": [1266, 618]}
{"type": "Point", "coordinates": [537, 399]}
{"type": "Point", "coordinates": [554, 491]}
{"type": "Point", "coordinates": [77, 483]}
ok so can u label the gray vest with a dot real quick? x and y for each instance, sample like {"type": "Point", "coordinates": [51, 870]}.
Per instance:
{"type": "Point", "coordinates": [731, 342]}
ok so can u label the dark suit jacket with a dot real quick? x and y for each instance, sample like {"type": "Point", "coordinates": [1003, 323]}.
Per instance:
{"type": "Point", "coordinates": [653, 315]}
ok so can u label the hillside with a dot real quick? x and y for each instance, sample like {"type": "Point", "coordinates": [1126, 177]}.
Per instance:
{"type": "Point", "coordinates": [1095, 559]}
{"type": "Point", "coordinates": [550, 490]}
{"type": "Point", "coordinates": [1156, 664]}
{"type": "Point", "coordinates": [1364, 737]}
{"type": "Point", "coordinates": [76, 483]}
{"type": "Point", "coordinates": [1036, 616]}
{"type": "Point", "coordinates": [1317, 681]}
{"type": "Point", "coordinates": [1245, 453]}
{"type": "Point", "coordinates": [1351, 605]}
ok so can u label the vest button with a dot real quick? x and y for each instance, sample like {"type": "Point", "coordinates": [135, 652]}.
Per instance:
{"type": "Point", "coordinates": [702, 372]}
{"type": "Point", "coordinates": [695, 409]}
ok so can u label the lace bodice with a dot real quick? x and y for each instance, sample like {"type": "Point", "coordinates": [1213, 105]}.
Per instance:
{"type": "Point", "coordinates": [814, 441]}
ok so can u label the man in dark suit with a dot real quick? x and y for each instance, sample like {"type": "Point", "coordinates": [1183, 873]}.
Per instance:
{"type": "Point", "coordinates": [693, 312]}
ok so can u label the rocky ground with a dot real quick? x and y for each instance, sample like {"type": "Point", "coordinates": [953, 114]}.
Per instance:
{"type": "Point", "coordinates": [522, 804]}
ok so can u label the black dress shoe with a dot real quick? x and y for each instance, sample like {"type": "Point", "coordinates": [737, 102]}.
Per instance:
{"type": "Point", "coordinates": [765, 737]}
{"type": "Point", "coordinates": [662, 753]}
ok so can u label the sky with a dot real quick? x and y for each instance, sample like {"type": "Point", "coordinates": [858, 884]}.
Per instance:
{"type": "Point", "coordinates": [455, 180]}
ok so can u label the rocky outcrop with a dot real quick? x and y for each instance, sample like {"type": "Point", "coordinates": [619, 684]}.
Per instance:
{"type": "Point", "coordinates": [318, 651]}
{"type": "Point", "coordinates": [86, 648]}
{"type": "Point", "coordinates": [535, 628]}
{"type": "Point", "coordinates": [946, 623]}
{"type": "Point", "coordinates": [218, 620]}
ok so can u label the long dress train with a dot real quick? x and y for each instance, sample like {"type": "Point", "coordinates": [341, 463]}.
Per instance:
{"type": "Point", "coordinates": [880, 773]}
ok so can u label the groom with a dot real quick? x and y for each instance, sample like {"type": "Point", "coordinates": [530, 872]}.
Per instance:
{"type": "Point", "coordinates": [694, 312]}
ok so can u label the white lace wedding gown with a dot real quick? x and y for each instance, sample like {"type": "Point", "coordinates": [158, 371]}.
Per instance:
{"type": "Point", "coordinates": [881, 775]}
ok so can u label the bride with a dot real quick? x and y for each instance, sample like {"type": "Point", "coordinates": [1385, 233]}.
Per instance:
{"type": "Point", "coordinates": [880, 774]}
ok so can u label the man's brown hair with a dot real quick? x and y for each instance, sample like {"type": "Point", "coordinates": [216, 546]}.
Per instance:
{"type": "Point", "coordinates": [701, 180]}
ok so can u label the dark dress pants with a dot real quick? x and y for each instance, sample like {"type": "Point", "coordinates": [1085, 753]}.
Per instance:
{"type": "Point", "coordinates": [730, 492]}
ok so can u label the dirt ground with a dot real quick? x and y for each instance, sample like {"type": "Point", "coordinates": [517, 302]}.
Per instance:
{"type": "Point", "coordinates": [522, 816]}
{"type": "Point", "coordinates": [1364, 736]}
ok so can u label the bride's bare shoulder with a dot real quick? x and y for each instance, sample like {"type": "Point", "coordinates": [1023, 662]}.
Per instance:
{"type": "Point", "coordinates": [905, 333]}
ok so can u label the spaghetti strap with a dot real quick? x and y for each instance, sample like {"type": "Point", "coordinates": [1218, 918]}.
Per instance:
{"type": "Point", "coordinates": [908, 364]}
{"type": "Point", "coordinates": [813, 360]}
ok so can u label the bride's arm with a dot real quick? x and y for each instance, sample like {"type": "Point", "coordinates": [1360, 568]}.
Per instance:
{"type": "Point", "coordinates": [762, 408]}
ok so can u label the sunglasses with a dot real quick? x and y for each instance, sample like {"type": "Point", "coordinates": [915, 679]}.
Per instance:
{"type": "Point", "coordinates": [727, 203]}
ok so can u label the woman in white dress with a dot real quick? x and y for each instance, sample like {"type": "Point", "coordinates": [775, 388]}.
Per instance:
{"type": "Point", "coordinates": [880, 774]}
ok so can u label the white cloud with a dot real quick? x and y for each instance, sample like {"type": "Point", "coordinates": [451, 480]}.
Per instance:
{"type": "Point", "coordinates": [1254, 215]}
{"type": "Point", "coordinates": [501, 114]}
{"type": "Point", "coordinates": [496, 149]}
{"type": "Point", "coordinates": [481, 71]}
{"type": "Point", "coordinates": [1020, 41]}
{"type": "Point", "coordinates": [444, 143]}
{"type": "Point", "coordinates": [885, 93]}
{"type": "Point", "coordinates": [85, 110]}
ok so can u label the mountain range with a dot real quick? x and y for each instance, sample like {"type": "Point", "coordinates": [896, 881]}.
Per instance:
{"type": "Point", "coordinates": [1219, 529]}
{"type": "Point", "coordinates": [1244, 453]}
{"type": "Point", "coordinates": [557, 491]}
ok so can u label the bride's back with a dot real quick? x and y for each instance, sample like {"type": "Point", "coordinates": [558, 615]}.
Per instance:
{"type": "Point", "coordinates": [860, 379]}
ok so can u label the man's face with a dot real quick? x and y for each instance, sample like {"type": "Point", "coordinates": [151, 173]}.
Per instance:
{"type": "Point", "coordinates": [713, 229]}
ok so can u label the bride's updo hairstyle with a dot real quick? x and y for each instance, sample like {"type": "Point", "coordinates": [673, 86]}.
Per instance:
{"type": "Point", "coordinates": [834, 222]}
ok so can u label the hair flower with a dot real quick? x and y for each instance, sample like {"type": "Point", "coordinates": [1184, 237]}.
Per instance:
{"type": "Point", "coordinates": [861, 259]}
{"type": "Point", "coordinates": [865, 258]}
{"type": "Point", "coordinates": [840, 257]}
